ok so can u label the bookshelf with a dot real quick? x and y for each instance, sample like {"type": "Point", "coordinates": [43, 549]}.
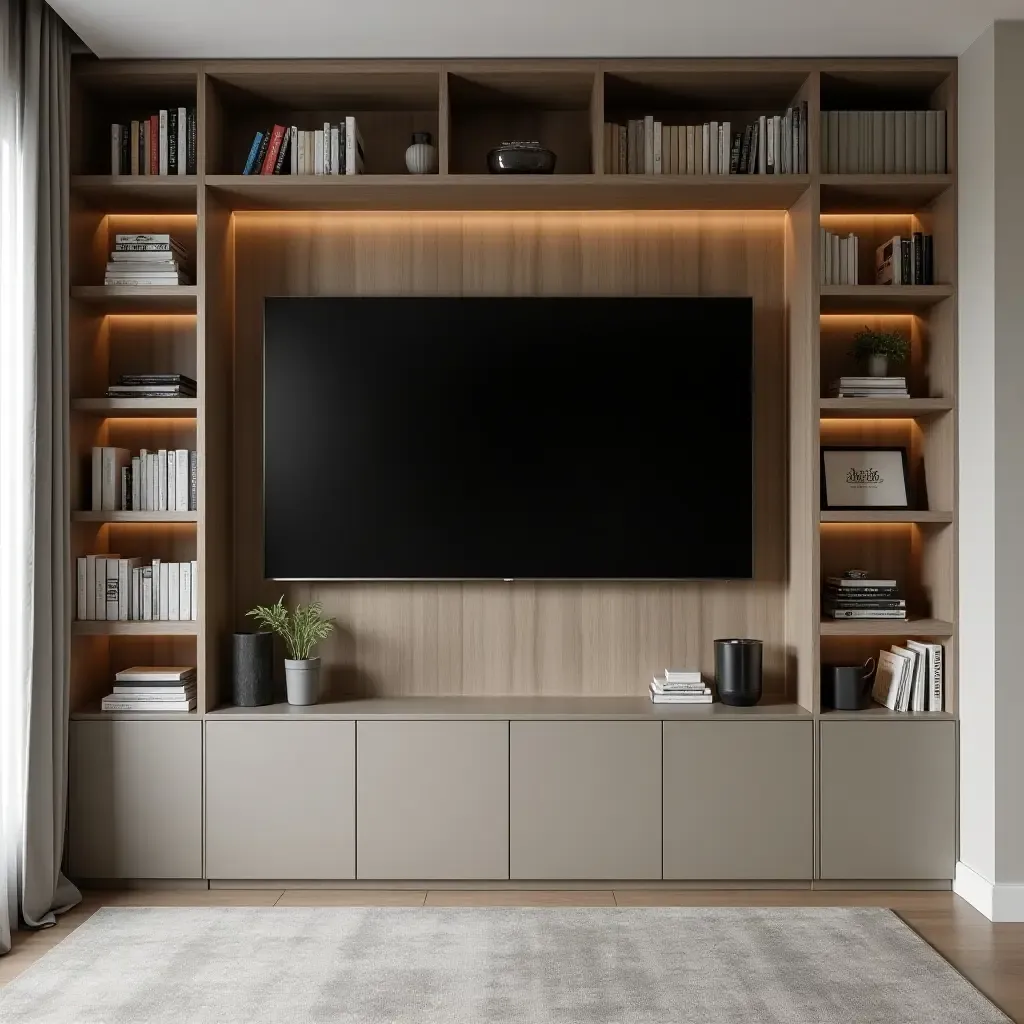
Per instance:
{"type": "Point", "coordinates": [581, 230]}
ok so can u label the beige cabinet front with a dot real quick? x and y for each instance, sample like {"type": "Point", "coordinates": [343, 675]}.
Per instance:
{"type": "Point", "coordinates": [135, 800]}
{"type": "Point", "coordinates": [739, 800]}
{"type": "Point", "coordinates": [432, 800]}
{"type": "Point", "coordinates": [888, 799]}
{"type": "Point", "coordinates": [585, 800]}
{"type": "Point", "coordinates": [280, 800]}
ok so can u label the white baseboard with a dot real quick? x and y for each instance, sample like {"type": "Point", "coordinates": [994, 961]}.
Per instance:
{"type": "Point", "coordinates": [999, 903]}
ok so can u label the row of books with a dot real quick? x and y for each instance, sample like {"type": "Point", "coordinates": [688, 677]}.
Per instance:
{"type": "Point", "coordinates": [909, 677]}
{"type": "Point", "coordinates": [333, 149]}
{"type": "Point", "coordinates": [905, 260]}
{"type": "Point", "coordinates": [163, 143]}
{"type": "Point", "coordinates": [153, 385]}
{"type": "Point", "coordinates": [769, 145]}
{"type": "Point", "coordinates": [153, 688]}
{"type": "Point", "coordinates": [840, 258]}
{"type": "Point", "coordinates": [680, 686]}
{"type": "Point", "coordinates": [143, 259]}
{"type": "Point", "coordinates": [165, 480]}
{"type": "Point", "coordinates": [883, 141]}
{"type": "Point", "coordinates": [862, 598]}
{"type": "Point", "coordinates": [870, 387]}
{"type": "Point", "coordinates": [116, 589]}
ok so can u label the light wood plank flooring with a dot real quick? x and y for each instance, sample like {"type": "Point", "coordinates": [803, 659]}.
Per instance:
{"type": "Point", "coordinates": [990, 955]}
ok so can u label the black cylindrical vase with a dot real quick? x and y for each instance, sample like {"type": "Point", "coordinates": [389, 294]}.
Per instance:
{"type": "Point", "coordinates": [738, 672]}
{"type": "Point", "coordinates": [252, 676]}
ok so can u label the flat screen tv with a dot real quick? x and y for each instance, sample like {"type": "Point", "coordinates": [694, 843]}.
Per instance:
{"type": "Point", "coordinates": [508, 438]}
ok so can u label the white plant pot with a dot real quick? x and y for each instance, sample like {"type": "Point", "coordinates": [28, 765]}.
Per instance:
{"type": "Point", "coordinates": [303, 681]}
{"type": "Point", "coordinates": [878, 366]}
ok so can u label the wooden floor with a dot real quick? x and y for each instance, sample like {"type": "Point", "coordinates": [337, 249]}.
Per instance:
{"type": "Point", "coordinates": [989, 955]}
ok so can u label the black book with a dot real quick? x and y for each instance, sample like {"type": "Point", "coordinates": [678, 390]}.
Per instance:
{"type": "Point", "coordinates": [905, 260]}
{"type": "Point", "coordinates": [929, 274]}
{"type": "Point", "coordinates": [191, 140]}
{"type": "Point", "coordinates": [172, 140]}
{"type": "Point", "coordinates": [143, 152]}
{"type": "Point", "coordinates": [282, 151]}
{"type": "Point", "coordinates": [341, 146]}
{"type": "Point", "coordinates": [874, 603]}
{"type": "Point", "coordinates": [124, 157]}
{"type": "Point", "coordinates": [846, 592]}
{"type": "Point", "coordinates": [193, 481]}
{"type": "Point", "coordinates": [918, 268]}
{"type": "Point", "coordinates": [745, 150]}
{"type": "Point", "coordinates": [734, 154]}
{"type": "Point", "coordinates": [155, 378]}
{"type": "Point", "coordinates": [261, 153]}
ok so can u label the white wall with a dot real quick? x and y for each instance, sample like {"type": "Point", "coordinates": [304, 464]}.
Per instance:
{"type": "Point", "coordinates": [991, 476]}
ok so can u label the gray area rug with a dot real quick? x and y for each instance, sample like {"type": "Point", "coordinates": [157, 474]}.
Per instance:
{"type": "Point", "coordinates": [489, 965]}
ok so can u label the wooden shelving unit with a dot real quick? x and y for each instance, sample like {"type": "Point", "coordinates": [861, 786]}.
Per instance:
{"type": "Point", "coordinates": [133, 629]}
{"type": "Point", "coordinates": [239, 228]}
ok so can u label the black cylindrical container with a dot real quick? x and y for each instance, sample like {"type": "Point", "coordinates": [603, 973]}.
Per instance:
{"type": "Point", "coordinates": [252, 675]}
{"type": "Point", "coordinates": [738, 672]}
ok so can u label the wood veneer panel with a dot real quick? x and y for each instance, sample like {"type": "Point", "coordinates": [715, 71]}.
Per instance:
{"type": "Point", "coordinates": [524, 638]}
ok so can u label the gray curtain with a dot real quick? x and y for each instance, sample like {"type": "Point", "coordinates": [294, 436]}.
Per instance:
{"type": "Point", "coordinates": [42, 63]}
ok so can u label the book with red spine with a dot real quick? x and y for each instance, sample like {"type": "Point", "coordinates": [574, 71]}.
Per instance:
{"type": "Point", "coordinates": [154, 144]}
{"type": "Point", "coordinates": [275, 144]}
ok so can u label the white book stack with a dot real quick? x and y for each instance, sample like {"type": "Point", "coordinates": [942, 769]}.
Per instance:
{"type": "Point", "coordinates": [680, 687]}
{"type": "Point", "coordinates": [839, 258]}
{"type": "Point", "coordinates": [909, 678]}
{"type": "Point", "coordinates": [111, 589]}
{"type": "Point", "coordinates": [165, 480]}
{"type": "Point", "coordinates": [146, 260]}
{"type": "Point", "coordinates": [153, 688]}
{"type": "Point", "coordinates": [870, 387]}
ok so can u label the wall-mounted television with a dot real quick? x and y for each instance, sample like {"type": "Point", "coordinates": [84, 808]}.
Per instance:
{"type": "Point", "coordinates": [450, 438]}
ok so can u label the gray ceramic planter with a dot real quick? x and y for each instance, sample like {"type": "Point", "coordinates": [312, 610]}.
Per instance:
{"type": "Point", "coordinates": [303, 680]}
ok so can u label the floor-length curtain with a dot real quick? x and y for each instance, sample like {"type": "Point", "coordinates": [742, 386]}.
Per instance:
{"type": "Point", "coordinates": [35, 569]}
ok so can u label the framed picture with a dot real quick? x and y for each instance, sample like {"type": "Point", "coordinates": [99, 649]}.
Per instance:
{"type": "Point", "coordinates": [862, 478]}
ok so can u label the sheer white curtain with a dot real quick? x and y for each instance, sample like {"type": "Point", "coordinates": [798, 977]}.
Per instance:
{"type": "Point", "coordinates": [34, 544]}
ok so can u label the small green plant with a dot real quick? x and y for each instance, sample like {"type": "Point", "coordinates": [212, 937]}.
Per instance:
{"type": "Point", "coordinates": [301, 631]}
{"type": "Point", "coordinates": [891, 344]}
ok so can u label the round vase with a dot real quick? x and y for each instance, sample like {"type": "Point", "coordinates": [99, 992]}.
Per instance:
{"type": "Point", "coordinates": [878, 366]}
{"type": "Point", "coordinates": [421, 156]}
{"type": "Point", "coordinates": [302, 679]}
{"type": "Point", "coordinates": [252, 664]}
{"type": "Point", "coordinates": [738, 672]}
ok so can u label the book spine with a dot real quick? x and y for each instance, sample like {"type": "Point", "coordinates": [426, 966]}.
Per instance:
{"type": "Point", "coordinates": [126, 156]}
{"type": "Point", "coordinates": [193, 481]}
{"type": "Point", "coordinates": [929, 267]}
{"type": "Point", "coordinates": [81, 612]}
{"type": "Point", "coordinates": [154, 144]}
{"type": "Point", "coordinates": [147, 593]}
{"type": "Point", "coordinates": [90, 587]}
{"type": "Point", "coordinates": [851, 613]}
{"type": "Point", "coordinates": [163, 143]}
{"type": "Point", "coordinates": [194, 592]}
{"type": "Point", "coordinates": [172, 140]}
{"type": "Point", "coordinates": [261, 152]}
{"type": "Point", "coordinates": [110, 481]}
{"type": "Point", "coordinates": [318, 152]}
{"type": "Point", "coordinates": [184, 591]}
{"type": "Point", "coordinates": [182, 140]}
{"type": "Point", "coordinates": [123, 576]}
{"type": "Point", "coordinates": [161, 476]}
{"type": "Point", "coordinates": [111, 588]}
{"type": "Point", "coordinates": [97, 479]}
{"type": "Point", "coordinates": [940, 142]}
{"type": "Point", "coordinates": [152, 476]}
{"type": "Point", "coordinates": [133, 148]}
{"type": "Point", "coordinates": [918, 248]}
{"type": "Point", "coordinates": [173, 591]}
{"type": "Point", "coordinates": [273, 148]}
{"type": "Point", "coordinates": [172, 480]}
{"type": "Point", "coordinates": [126, 488]}
{"type": "Point", "coordinates": [282, 153]}
{"type": "Point", "coordinates": [164, 603]}
{"type": "Point", "coordinates": [136, 483]}
{"type": "Point", "coordinates": [293, 150]}
{"type": "Point", "coordinates": [181, 480]}
{"type": "Point", "coordinates": [136, 604]}
{"type": "Point", "coordinates": [328, 166]}
{"type": "Point", "coordinates": [656, 147]}
{"type": "Point", "coordinates": [192, 146]}
{"type": "Point", "coordinates": [115, 149]}
{"type": "Point", "coordinates": [100, 589]}
{"type": "Point", "coordinates": [935, 690]}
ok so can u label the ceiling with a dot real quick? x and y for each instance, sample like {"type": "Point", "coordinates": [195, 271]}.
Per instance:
{"type": "Point", "coordinates": [530, 28]}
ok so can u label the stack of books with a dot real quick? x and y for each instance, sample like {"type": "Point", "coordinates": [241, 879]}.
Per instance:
{"type": "Point", "coordinates": [115, 589]}
{"type": "Point", "coordinates": [152, 385]}
{"type": "Point", "coordinates": [679, 687]}
{"type": "Point", "coordinates": [153, 688]}
{"type": "Point", "coordinates": [840, 258]}
{"type": "Point", "coordinates": [858, 597]}
{"type": "Point", "coordinates": [767, 145]}
{"type": "Point", "coordinates": [870, 387]}
{"type": "Point", "coordinates": [165, 480]}
{"type": "Point", "coordinates": [909, 678]}
{"type": "Point", "coordinates": [163, 143]}
{"type": "Point", "coordinates": [146, 260]}
{"type": "Point", "coordinates": [905, 260]}
{"type": "Point", "coordinates": [883, 142]}
{"type": "Point", "coordinates": [332, 149]}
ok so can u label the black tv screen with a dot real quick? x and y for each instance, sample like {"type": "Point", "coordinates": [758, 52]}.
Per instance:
{"type": "Point", "coordinates": [508, 438]}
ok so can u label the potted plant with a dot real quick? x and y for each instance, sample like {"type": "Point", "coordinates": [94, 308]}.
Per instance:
{"type": "Point", "coordinates": [301, 631]}
{"type": "Point", "coordinates": [876, 348]}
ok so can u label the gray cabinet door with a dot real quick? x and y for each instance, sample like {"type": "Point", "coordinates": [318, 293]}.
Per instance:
{"type": "Point", "coordinates": [280, 800]}
{"type": "Point", "coordinates": [738, 800]}
{"type": "Point", "coordinates": [888, 800]}
{"type": "Point", "coordinates": [585, 800]}
{"type": "Point", "coordinates": [432, 800]}
{"type": "Point", "coordinates": [135, 800]}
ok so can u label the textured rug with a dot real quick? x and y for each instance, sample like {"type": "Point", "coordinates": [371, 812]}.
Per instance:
{"type": "Point", "coordinates": [484, 966]}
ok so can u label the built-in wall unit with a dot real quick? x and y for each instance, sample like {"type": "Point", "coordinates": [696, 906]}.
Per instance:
{"type": "Point", "coordinates": [502, 731]}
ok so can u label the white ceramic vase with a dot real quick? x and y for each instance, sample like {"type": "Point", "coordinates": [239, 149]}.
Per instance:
{"type": "Point", "coordinates": [878, 366]}
{"type": "Point", "coordinates": [421, 156]}
{"type": "Point", "coordinates": [302, 679]}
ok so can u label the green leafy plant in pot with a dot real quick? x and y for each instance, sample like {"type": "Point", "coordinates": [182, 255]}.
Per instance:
{"type": "Point", "coordinates": [301, 630]}
{"type": "Point", "coordinates": [876, 349]}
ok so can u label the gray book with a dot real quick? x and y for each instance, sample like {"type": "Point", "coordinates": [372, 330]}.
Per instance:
{"type": "Point", "coordinates": [833, 141]}
{"type": "Point", "coordinates": [920, 141]}
{"type": "Point", "coordinates": [877, 141]}
{"type": "Point", "coordinates": [910, 142]}
{"type": "Point", "coordinates": [900, 136]}
{"type": "Point", "coordinates": [940, 142]}
{"type": "Point", "coordinates": [889, 152]}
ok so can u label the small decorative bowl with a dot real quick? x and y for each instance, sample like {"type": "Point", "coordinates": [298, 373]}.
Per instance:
{"type": "Point", "coordinates": [521, 158]}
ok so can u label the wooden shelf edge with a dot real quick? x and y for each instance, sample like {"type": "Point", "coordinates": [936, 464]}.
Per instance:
{"type": "Point", "coordinates": [179, 298]}
{"type": "Point", "coordinates": [88, 516]}
{"type": "Point", "coordinates": [891, 408]}
{"type": "Point", "coordinates": [869, 516]}
{"type": "Point", "coordinates": [185, 408]}
{"type": "Point", "coordinates": [886, 627]}
{"type": "Point", "coordinates": [103, 628]}
{"type": "Point", "coordinates": [95, 715]}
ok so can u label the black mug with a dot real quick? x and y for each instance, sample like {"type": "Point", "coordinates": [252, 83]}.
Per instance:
{"type": "Point", "coordinates": [738, 672]}
{"type": "Point", "coordinates": [847, 687]}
